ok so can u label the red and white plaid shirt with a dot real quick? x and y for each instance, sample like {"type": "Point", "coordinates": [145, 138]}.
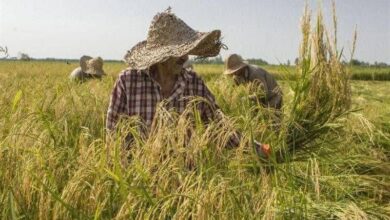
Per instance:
{"type": "Point", "coordinates": [136, 93]}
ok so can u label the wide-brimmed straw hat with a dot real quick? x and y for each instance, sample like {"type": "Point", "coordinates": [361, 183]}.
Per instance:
{"type": "Point", "coordinates": [95, 66]}
{"type": "Point", "coordinates": [169, 36]}
{"type": "Point", "coordinates": [234, 63]}
{"type": "Point", "coordinates": [83, 62]}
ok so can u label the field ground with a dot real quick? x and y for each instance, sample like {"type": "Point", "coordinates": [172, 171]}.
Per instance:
{"type": "Point", "coordinates": [53, 162]}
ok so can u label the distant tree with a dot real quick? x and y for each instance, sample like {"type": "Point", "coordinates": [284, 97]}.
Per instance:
{"type": "Point", "coordinates": [4, 50]}
{"type": "Point", "coordinates": [381, 64]}
{"type": "Point", "coordinates": [356, 62]}
{"type": "Point", "coordinates": [288, 63]}
{"type": "Point", "coordinates": [201, 60]}
{"type": "Point", "coordinates": [23, 56]}
{"type": "Point", "coordinates": [296, 61]}
{"type": "Point", "coordinates": [218, 59]}
{"type": "Point", "coordinates": [257, 61]}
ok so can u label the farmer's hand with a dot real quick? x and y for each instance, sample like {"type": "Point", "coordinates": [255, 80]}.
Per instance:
{"type": "Point", "coordinates": [263, 150]}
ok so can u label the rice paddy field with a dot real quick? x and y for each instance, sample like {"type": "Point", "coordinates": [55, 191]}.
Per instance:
{"type": "Point", "coordinates": [56, 161]}
{"type": "Point", "coordinates": [330, 144]}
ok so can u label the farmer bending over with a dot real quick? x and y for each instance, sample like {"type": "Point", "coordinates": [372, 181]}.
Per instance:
{"type": "Point", "coordinates": [269, 95]}
{"type": "Point", "coordinates": [89, 68]}
{"type": "Point", "coordinates": [156, 73]}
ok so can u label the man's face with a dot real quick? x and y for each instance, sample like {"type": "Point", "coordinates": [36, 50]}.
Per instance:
{"type": "Point", "coordinates": [239, 76]}
{"type": "Point", "coordinates": [181, 60]}
{"type": "Point", "coordinates": [174, 64]}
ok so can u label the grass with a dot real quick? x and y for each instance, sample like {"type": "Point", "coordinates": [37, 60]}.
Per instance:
{"type": "Point", "coordinates": [56, 161]}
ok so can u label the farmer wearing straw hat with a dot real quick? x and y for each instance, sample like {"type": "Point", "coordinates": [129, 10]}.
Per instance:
{"type": "Point", "coordinates": [89, 68]}
{"type": "Point", "coordinates": [269, 95]}
{"type": "Point", "coordinates": [156, 74]}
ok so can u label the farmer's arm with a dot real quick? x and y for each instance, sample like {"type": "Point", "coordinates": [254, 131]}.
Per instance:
{"type": "Point", "coordinates": [117, 104]}
{"type": "Point", "coordinates": [275, 97]}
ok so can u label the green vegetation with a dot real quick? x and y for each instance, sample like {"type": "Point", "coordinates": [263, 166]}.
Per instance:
{"type": "Point", "coordinates": [56, 161]}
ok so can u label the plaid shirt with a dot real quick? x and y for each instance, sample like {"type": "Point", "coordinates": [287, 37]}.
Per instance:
{"type": "Point", "coordinates": [136, 93]}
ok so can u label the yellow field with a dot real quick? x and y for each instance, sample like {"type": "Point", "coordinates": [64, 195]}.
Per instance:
{"type": "Point", "coordinates": [57, 163]}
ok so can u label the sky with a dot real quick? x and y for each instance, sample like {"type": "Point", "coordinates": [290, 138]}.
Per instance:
{"type": "Point", "coordinates": [267, 29]}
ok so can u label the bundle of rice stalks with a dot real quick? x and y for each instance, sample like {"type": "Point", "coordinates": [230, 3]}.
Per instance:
{"type": "Point", "coordinates": [322, 93]}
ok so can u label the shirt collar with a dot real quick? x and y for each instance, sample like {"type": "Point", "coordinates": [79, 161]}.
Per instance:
{"type": "Point", "coordinates": [180, 83]}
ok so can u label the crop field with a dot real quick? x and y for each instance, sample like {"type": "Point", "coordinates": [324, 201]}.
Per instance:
{"type": "Point", "coordinates": [282, 72]}
{"type": "Point", "coordinates": [56, 161]}
{"type": "Point", "coordinates": [330, 144]}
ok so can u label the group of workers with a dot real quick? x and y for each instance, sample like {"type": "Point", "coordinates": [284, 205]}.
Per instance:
{"type": "Point", "coordinates": [158, 70]}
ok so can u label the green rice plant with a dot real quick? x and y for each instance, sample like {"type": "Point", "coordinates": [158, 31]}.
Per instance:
{"type": "Point", "coordinates": [57, 162]}
{"type": "Point", "coordinates": [322, 93]}
{"type": "Point", "coordinates": [371, 73]}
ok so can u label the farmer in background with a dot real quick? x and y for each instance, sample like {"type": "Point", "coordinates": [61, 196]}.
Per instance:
{"type": "Point", "coordinates": [89, 68]}
{"type": "Point", "coordinates": [156, 74]}
{"type": "Point", "coordinates": [266, 90]}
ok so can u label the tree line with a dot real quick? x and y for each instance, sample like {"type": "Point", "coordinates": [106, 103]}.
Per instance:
{"type": "Point", "coordinates": [214, 60]}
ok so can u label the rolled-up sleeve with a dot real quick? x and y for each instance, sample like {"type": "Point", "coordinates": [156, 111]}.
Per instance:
{"type": "Point", "coordinates": [117, 104]}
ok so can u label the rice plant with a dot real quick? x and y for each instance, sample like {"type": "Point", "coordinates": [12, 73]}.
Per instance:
{"type": "Point", "coordinates": [57, 162]}
{"type": "Point", "coordinates": [322, 95]}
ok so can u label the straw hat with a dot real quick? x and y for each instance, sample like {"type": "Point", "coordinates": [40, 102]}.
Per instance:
{"type": "Point", "coordinates": [234, 63]}
{"type": "Point", "coordinates": [169, 36]}
{"type": "Point", "coordinates": [95, 66]}
{"type": "Point", "coordinates": [83, 62]}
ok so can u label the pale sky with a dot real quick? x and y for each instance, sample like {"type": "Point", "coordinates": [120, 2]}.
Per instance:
{"type": "Point", "coordinates": [267, 29]}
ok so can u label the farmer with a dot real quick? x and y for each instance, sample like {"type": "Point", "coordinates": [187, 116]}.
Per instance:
{"type": "Point", "coordinates": [266, 92]}
{"type": "Point", "coordinates": [89, 68]}
{"type": "Point", "coordinates": [156, 74]}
